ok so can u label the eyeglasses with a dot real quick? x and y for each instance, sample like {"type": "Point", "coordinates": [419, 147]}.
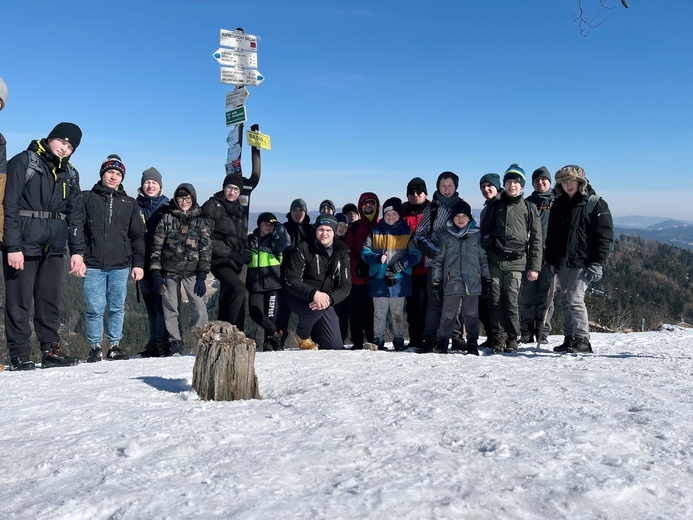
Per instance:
{"type": "Point", "coordinates": [415, 192]}
{"type": "Point", "coordinates": [232, 188]}
{"type": "Point", "coordinates": [187, 198]}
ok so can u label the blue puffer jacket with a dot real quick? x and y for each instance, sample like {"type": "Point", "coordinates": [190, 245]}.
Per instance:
{"type": "Point", "coordinates": [393, 241]}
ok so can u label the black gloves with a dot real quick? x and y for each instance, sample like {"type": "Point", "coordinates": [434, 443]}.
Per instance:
{"type": "Point", "coordinates": [200, 288]}
{"type": "Point", "coordinates": [427, 247]}
{"type": "Point", "coordinates": [486, 286]}
{"type": "Point", "coordinates": [158, 281]}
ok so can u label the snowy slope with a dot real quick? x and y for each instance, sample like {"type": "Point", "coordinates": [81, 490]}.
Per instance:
{"type": "Point", "coordinates": [348, 435]}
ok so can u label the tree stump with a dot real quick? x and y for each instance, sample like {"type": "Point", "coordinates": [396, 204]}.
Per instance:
{"type": "Point", "coordinates": [225, 364]}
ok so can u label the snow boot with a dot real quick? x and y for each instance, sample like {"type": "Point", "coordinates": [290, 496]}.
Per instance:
{"type": "Point", "coordinates": [115, 353]}
{"type": "Point", "coordinates": [458, 344]}
{"type": "Point", "coordinates": [95, 354]}
{"type": "Point", "coordinates": [274, 341]}
{"type": "Point", "coordinates": [151, 349]}
{"type": "Point", "coordinates": [176, 347]}
{"type": "Point", "coordinates": [398, 344]}
{"type": "Point", "coordinates": [497, 343]}
{"type": "Point", "coordinates": [428, 344]}
{"type": "Point", "coordinates": [22, 363]}
{"type": "Point", "coordinates": [54, 357]}
{"type": "Point", "coordinates": [306, 344]}
{"type": "Point", "coordinates": [565, 346]}
{"type": "Point", "coordinates": [580, 346]}
{"type": "Point", "coordinates": [164, 348]}
{"type": "Point", "coordinates": [441, 346]}
{"type": "Point", "coordinates": [473, 349]}
{"type": "Point", "coordinates": [511, 345]}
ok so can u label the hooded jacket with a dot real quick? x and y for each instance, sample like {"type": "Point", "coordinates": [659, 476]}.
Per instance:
{"type": "Point", "coordinates": [182, 244]}
{"type": "Point", "coordinates": [462, 263]}
{"type": "Point", "coordinates": [53, 188]}
{"type": "Point", "coordinates": [311, 269]}
{"type": "Point", "coordinates": [356, 236]}
{"type": "Point", "coordinates": [229, 240]}
{"type": "Point", "coordinates": [113, 229]}
{"type": "Point", "coordinates": [264, 270]}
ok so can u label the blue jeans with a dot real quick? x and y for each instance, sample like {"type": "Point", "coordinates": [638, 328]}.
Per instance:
{"type": "Point", "coordinates": [102, 288]}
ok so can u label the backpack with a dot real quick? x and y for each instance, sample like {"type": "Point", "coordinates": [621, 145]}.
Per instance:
{"type": "Point", "coordinates": [509, 248]}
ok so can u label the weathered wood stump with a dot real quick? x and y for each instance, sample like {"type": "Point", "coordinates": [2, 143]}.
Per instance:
{"type": "Point", "coordinates": [225, 364]}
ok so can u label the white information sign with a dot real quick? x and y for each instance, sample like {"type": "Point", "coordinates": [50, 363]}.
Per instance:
{"type": "Point", "coordinates": [230, 76]}
{"type": "Point", "coordinates": [238, 40]}
{"type": "Point", "coordinates": [236, 98]}
{"type": "Point", "coordinates": [242, 60]}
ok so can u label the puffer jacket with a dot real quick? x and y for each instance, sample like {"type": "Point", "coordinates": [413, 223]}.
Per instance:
{"type": "Point", "coordinates": [506, 224]}
{"type": "Point", "coordinates": [582, 239]}
{"type": "Point", "coordinates": [394, 242]}
{"type": "Point", "coordinates": [182, 245]}
{"type": "Point", "coordinates": [113, 229]}
{"type": "Point", "coordinates": [356, 236]}
{"type": "Point", "coordinates": [54, 189]}
{"type": "Point", "coordinates": [461, 264]}
{"type": "Point", "coordinates": [264, 269]}
{"type": "Point", "coordinates": [229, 240]}
{"type": "Point", "coordinates": [311, 269]}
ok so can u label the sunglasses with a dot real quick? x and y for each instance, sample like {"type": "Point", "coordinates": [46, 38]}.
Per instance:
{"type": "Point", "coordinates": [415, 192]}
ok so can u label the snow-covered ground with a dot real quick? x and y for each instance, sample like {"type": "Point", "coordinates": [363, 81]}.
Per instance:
{"type": "Point", "coordinates": [351, 435]}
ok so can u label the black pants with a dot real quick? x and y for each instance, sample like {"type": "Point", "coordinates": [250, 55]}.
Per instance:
{"type": "Point", "coordinates": [40, 280]}
{"type": "Point", "coordinates": [360, 315]}
{"type": "Point", "coordinates": [263, 308]}
{"type": "Point", "coordinates": [416, 309]}
{"type": "Point", "coordinates": [231, 296]}
{"type": "Point", "coordinates": [321, 326]}
{"type": "Point", "coordinates": [342, 309]}
{"type": "Point", "coordinates": [155, 311]}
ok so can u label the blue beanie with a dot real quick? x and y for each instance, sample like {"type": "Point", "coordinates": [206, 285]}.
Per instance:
{"type": "Point", "coordinates": [491, 178]}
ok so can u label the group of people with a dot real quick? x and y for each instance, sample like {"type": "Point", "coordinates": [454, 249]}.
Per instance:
{"type": "Point", "coordinates": [425, 263]}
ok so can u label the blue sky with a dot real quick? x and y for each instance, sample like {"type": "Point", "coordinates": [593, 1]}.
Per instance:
{"type": "Point", "coordinates": [362, 95]}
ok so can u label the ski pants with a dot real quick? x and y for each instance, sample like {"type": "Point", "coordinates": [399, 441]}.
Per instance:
{"type": "Point", "coordinates": [263, 307]}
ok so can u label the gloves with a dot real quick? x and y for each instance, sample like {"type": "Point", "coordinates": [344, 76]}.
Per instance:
{"type": "Point", "coordinates": [486, 286]}
{"type": "Point", "coordinates": [361, 269]}
{"type": "Point", "coordinates": [200, 288]}
{"type": "Point", "coordinates": [437, 293]}
{"type": "Point", "coordinates": [427, 247]}
{"type": "Point", "coordinates": [593, 273]}
{"type": "Point", "coordinates": [397, 267]}
{"type": "Point", "coordinates": [390, 277]}
{"type": "Point", "coordinates": [158, 281]}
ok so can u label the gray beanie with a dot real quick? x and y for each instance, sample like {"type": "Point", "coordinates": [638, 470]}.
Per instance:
{"type": "Point", "coordinates": [151, 174]}
{"type": "Point", "coordinates": [299, 203]}
{"type": "Point", "coordinates": [3, 94]}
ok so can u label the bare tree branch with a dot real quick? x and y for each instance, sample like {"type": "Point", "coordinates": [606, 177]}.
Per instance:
{"type": "Point", "coordinates": [587, 22]}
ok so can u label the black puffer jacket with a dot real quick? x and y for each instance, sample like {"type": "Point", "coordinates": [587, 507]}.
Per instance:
{"type": "Point", "coordinates": [310, 269]}
{"type": "Point", "coordinates": [53, 188]}
{"type": "Point", "coordinates": [229, 240]}
{"type": "Point", "coordinates": [582, 239]}
{"type": "Point", "coordinates": [113, 229]}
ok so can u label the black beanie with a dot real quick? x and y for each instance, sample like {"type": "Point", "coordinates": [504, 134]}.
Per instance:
{"type": "Point", "coordinates": [541, 172]}
{"type": "Point", "coordinates": [233, 178]}
{"type": "Point", "coordinates": [69, 132]}
{"type": "Point", "coordinates": [151, 174]}
{"type": "Point", "coordinates": [461, 206]}
{"type": "Point", "coordinates": [329, 204]}
{"type": "Point", "coordinates": [341, 217]}
{"type": "Point", "coordinates": [299, 203]}
{"type": "Point", "coordinates": [266, 217]}
{"type": "Point", "coordinates": [112, 162]}
{"type": "Point", "coordinates": [417, 183]}
{"type": "Point", "coordinates": [393, 204]}
{"type": "Point", "coordinates": [325, 219]}
{"type": "Point", "coordinates": [350, 207]}
{"type": "Point", "coordinates": [448, 175]}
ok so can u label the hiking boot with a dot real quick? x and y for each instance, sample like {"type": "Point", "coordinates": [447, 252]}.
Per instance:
{"type": "Point", "coordinates": [398, 344]}
{"type": "Point", "coordinates": [565, 346]}
{"type": "Point", "coordinates": [115, 353]}
{"type": "Point", "coordinates": [164, 348]}
{"type": "Point", "coordinates": [306, 344]}
{"type": "Point", "coordinates": [497, 343]}
{"type": "Point", "coordinates": [95, 355]}
{"type": "Point", "coordinates": [580, 346]}
{"type": "Point", "coordinates": [441, 347]}
{"type": "Point", "coordinates": [54, 357]}
{"type": "Point", "coordinates": [473, 349]}
{"type": "Point", "coordinates": [176, 348]}
{"type": "Point", "coordinates": [427, 347]}
{"type": "Point", "coordinates": [458, 344]}
{"type": "Point", "coordinates": [274, 341]}
{"type": "Point", "coordinates": [367, 345]}
{"type": "Point", "coordinates": [22, 363]}
{"type": "Point", "coordinates": [511, 345]}
{"type": "Point", "coordinates": [151, 349]}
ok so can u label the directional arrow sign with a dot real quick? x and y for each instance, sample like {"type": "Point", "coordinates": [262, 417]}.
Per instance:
{"type": "Point", "coordinates": [231, 76]}
{"type": "Point", "coordinates": [238, 40]}
{"type": "Point", "coordinates": [259, 140]}
{"type": "Point", "coordinates": [235, 116]}
{"type": "Point", "coordinates": [236, 98]}
{"type": "Point", "coordinates": [242, 60]}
